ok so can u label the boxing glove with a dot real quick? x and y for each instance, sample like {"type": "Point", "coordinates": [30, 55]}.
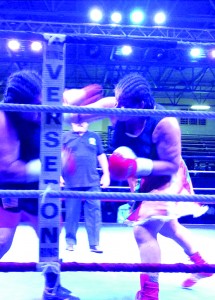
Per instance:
{"type": "Point", "coordinates": [123, 164]}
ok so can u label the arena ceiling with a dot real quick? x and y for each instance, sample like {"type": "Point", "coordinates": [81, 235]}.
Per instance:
{"type": "Point", "coordinates": [160, 53]}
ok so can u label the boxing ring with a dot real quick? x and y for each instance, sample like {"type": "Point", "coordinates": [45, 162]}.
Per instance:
{"type": "Point", "coordinates": [78, 273]}
{"type": "Point", "coordinates": [105, 285]}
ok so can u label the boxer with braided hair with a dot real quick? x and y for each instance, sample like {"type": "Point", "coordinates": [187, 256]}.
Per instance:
{"type": "Point", "coordinates": [148, 151]}
{"type": "Point", "coordinates": [136, 88]}
{"type": "Point", "coordinates": [20, 167]}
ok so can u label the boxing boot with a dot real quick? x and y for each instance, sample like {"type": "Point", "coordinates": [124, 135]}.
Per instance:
{"type": "Point", "coordinates": [195, 277]}
{"type": "Point", "coordinates": [53, 289]}
{"type": "Point", "coordinates": [149, 290]}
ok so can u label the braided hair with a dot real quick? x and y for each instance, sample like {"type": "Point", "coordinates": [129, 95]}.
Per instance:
{"type": "Point", "coordinates": [23, 87]}
{"type": "Point", "coordinates": [134, 90]}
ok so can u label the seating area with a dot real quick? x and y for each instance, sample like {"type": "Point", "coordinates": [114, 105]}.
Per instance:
{"type": "Point", "coordinates": [198, 145]}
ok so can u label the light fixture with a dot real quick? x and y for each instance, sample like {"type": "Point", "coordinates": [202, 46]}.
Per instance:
{"type": "Point", "coordinates": [200, 107]}
{"type": "Point", "coordinates": [36, 46]}
{"type": "Point", "coordinates": [14, 45]}
{"type": "Point", "coordinates": [126, 50]}
{"type": "Point", "coordinates": [212, 54]}
{"type": "Point", "coordinates": [96, 15]}
{"type": "Point", "coordinates": [116, 17]}
{"type": "Point", "coordinates": [137, 16]}
{"type": "Point", "coordinates": [196, 52]}
{"type": "Point", "coordinates": [159, 18]}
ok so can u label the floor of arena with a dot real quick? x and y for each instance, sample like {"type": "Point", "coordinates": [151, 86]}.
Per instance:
{"type": "Point", "coordinates": [119, 246]}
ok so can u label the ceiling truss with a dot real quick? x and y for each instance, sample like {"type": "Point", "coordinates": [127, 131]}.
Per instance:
{"type": "Point", "coordinates": [174, 81]}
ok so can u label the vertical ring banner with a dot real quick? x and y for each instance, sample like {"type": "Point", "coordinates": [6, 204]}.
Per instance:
{"type": "Point", "coordinates": [50, 151]}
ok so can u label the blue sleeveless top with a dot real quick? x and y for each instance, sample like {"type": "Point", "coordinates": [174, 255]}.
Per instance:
{"type": "Point", "coordinates": [141, 145]}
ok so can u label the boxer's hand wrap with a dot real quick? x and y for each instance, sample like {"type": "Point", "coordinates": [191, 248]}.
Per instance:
{"type": "Point", "coordinates": [33, 170]}
{"type": "Point", "coordinates": [144, 166]}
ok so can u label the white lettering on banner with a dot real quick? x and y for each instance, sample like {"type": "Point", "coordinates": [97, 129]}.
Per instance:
{"type": "Point", "coordinates": [50, 154]}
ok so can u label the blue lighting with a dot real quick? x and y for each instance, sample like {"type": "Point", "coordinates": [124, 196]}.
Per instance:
{"type": "Point", "coordinates": [137, 17]}
{"type": "Point", "coordinates": [116, 17]}
{"type": "Point", "coordinates": [160, 18]}
{"type": "Point", "coordinates": [96, 15]}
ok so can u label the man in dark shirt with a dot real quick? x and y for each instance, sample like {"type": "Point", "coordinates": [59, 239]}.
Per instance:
{"type": "Point", "coordinates": [81, 174]}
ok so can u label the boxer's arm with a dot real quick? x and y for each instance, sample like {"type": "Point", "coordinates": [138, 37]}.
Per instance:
{"type": "Point", "coordinates": [107, 102]}
{"type": "Point", "coordinates": [167, 137]}
{"type": "Point", "coordinates": [11, 168]}
{"type": "Point", "coordinates": [105, 178]}
{"type": "Point", "coordinates": [20, 172]}
{"type": "Point", "coordinates": [84, 96]}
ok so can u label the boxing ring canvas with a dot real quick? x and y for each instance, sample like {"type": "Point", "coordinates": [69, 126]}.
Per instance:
{"type": "Point", "coordinates": [119, 246]}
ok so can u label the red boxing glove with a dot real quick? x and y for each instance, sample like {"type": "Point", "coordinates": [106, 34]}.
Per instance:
{"type": "Point", "coordinates": [122, 164]}
{"type": "Point", "coordinates": [68, 162]}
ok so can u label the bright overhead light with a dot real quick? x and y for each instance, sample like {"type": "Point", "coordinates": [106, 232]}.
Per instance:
{"type": "Point", "coordinates": [200, 107]}
{"type": "Point", "coordinates": [36, 46]}
{"type": "Point", "coordinates": [14, 45]}
{"type": "Point", "coordinates": [96, 15]}
{"type": "Point", "coordinates": [212, 54]}
{"type": "Point", "coordinates": [137, 16]}
{"type": "Point", "coordinates": [196, 52]}
{"type": "Point", "coordinates": [159, 18]}
{"type": "Point", "coordinates": [116, 17]}
{"type": "Point", "coordinates": [126, 50]}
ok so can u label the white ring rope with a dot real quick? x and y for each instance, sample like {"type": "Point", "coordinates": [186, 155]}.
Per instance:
{"type": "Point", "coordinates": [106, 111]}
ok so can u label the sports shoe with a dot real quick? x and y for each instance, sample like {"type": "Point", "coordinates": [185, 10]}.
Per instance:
{"type": "Point", "coordinates": [149, 290]}
{"type": "Point", "coordinates": [53, 289]}
{"type": "Point", "coordinates": [95, 249]}
{"type": "Point", "coordinates": [70, 248]}
{"type": "Point", "coordinates": [194, 278]}
{"type": "Point", "coordinates": [59, 293]}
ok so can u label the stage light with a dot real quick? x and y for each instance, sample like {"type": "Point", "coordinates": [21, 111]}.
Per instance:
{"type": "Point", "coordinates": [36, 46]}
{"type": "Point", "coordinates": [126, 50]}
{"type": "Point", "coordinates": [196, 52]}
{"type": "Point", "coordinates": [212, 54]}
{"type": "Point", "coordinates": [14, 45]}
{"type": "Point", "coordinates": [137, 16]}
{"type": "Point", "coordinates": [96, 15]}
{"type": "Point", "coordinates": [200, 107]}
{"type": "Point", "coordinates": [159, 18]}
{"type": "Point", "coordinates": [121, 53]}
{"type": "Point", "coordinates": [116, 17]}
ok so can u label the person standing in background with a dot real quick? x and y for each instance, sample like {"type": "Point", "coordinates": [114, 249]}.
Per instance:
{"type": "Point", "coordinates": [82, 151]}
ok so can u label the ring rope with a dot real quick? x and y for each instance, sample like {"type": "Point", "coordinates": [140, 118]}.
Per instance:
{"type": "Point", "coordinates": [110, 267]}
{"type": "Point", "coordinates": [105, 111]}
{"type": "Point", "coordinates": [108, 195]}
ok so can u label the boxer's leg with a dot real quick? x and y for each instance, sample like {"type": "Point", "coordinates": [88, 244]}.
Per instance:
{"type": "Point", "coordinates": [146, 238]}
{"type": "Point", "coordinates": [181, 235]}
{"type": "Point", "coordinates": [8, 224]}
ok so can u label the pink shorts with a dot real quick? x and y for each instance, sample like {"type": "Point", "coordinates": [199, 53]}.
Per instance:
{"type": "Point", "coordinates": [178, 184]}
